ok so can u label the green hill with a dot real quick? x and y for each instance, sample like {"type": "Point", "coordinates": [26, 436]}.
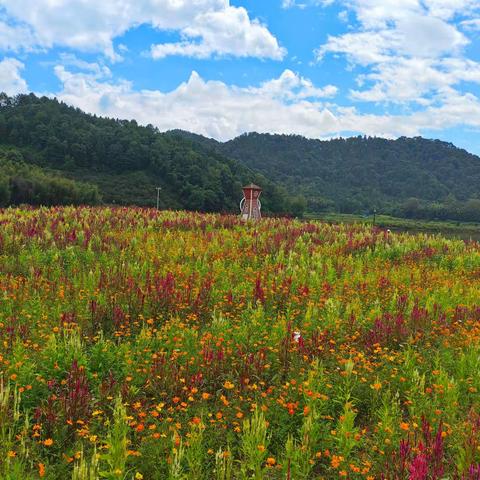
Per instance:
{"type": "Point", "coordinates": [406, 177]}
{"type": "Point", "coordinates": [51, 153]}
{"type": "Point", "coordinates": [43, 138]}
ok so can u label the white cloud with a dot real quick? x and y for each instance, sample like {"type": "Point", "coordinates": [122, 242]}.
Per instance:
{"type": "Point", "coordinates": [413, 50]}
{"type": "Point", "coordinates": [415, 79]}
{"type": "Point", "coordinates": [287, 104]}
{"type": "Point", "coordinates": [11, 81]}
{"type": "Point", "coordinates": [224, 32]}
{"type": "Point", "coordinates": [305, 3]}
{"type": "Point", "coordinates": [207, 26]}
{"type": "Point", "coordinates": [291, 86]}
{"type": "Point", "coordinates": [447, 9]}
{"type": "Point", "coordinates": [15, 37]}
{"type": "Point", "coordinates": [473, 24]}
{"type": "Point", "coordinates": [96, 69]}
{"type": "Point", "coordinates": [387, 30]}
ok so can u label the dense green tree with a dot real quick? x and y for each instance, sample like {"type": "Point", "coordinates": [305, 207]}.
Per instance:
{"type": "Point", "coordinates": [126, 161]}
{"type": "Point", "coordinates": [21, 183]}
{"type": "Point", "coordinates": [4, 191]}
{"type": "Point", "coordinates": [298, 205]}
{"type": "Point", "coordinates": [470, 212]}
{"type": "Point", "coordinates": [351, 175]}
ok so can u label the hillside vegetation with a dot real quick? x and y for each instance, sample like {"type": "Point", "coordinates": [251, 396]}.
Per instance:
{"type": "Point", "coordinates": [125, 161]}
{"type": "Point", "coordinates": [45, 144]}
{"type": "Point", "coordinates": [150, 345]}
{"type": "Point", "coordinates": [412, 177]}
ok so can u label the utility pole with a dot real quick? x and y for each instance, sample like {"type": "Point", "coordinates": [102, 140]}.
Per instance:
{"type": "Point", "coordinates": [158, 197]}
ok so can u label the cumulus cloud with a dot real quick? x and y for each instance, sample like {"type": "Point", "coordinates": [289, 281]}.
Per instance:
{"type": "Point", "coordinates": [387, 30]}
{"type": "Point", "coordinates": [225, 32]}
{"type": "Point", "coordinates": [305, 3]}
{"type": "Point", "coordinates": [472, 24]}
{"type": "Point", "coordinates": [15, 37]}
{"type": "Point", "coordinates": [416, 79]}
{"type": "Point", "coordinates": [413, 50]}
{"type": "Point", "coordinates": [287, 104]}
{"type": "Point", "coordinates": [207, 27]}
{"type": "Point", "coordinates": [11, 81]}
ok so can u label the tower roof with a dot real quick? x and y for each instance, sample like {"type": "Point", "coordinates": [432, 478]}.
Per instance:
{"type": "Point", "coordinates": [252, 186]}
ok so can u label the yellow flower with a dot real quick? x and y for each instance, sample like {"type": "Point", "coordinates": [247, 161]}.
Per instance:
{"type": "Point", "coordinates": [138, 476]}
{"type": "Point", "coordinates": [228, 385]}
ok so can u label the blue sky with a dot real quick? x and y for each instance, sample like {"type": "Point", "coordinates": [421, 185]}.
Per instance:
{"type": "Point", "coordinates": [319, 68]}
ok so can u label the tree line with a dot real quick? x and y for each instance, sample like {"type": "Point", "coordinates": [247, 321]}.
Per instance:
{"type": "Point", "coordinates": [127, 161]}
{"type": "Point", "coordinates": [54, 153]}
{"type": "Point", "coordinates": [411, 177]}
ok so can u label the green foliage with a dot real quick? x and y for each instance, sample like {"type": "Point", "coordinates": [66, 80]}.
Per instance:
{"type": "Point", "coordinates": [346, 431]}
{"type": "Point", "coordinates": [119, 158]}
{"type": "Point", "coordinates": [117, 454]}
{"type": "Point", "coordinates": [412, 177]}
{"type": "Point", "coordinates": [85, 469]}
{"type": "Point", "coordinates": [60, 155]}
{"type": "Point", "coordinates": [194, 453]}
{"type": "Point", "coordinates": [223, 465]}
{"type": "Point", "coordinates": [176, 471]}
{"type": "Point", "coordinates": [24, 183]}
{"type": "Point", "coordinates": [254, 445]}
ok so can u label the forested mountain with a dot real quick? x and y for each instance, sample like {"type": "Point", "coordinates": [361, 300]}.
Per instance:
{"type": "Point", "coordinates": [408, 176]}
{"type": "Point", "coordinates": [51, 153]}
{"type": "Point", "coordinates": [116, 161]}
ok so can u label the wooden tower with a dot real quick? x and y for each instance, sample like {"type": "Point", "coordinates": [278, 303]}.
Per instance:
{"type": "Point", "coordinates": [250, 206]}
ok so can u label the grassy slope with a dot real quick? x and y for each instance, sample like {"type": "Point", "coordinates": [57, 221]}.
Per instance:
{"type": "Point", "coordinates": [394, 223]}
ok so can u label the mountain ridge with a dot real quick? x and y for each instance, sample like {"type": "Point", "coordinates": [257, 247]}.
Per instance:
{"type": "Point", "coordinates": [125, 162]}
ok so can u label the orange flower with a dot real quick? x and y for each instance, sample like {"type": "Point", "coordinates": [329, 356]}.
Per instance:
{"type": "Point", "coordinates": [271, 461]}
{"type": "Point", "coordinates": [336, 461]}
{"type": "Point", "coordinates": [48, 442]}
{"type": "Point", "coordinates": [404, 426]}
{"type": "Point", "coordinates": [41, 470]}
{"type": "Point", "coordinates": [228, 385]}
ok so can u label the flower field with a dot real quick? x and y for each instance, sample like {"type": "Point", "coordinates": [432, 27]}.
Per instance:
{"type": "Point", "coordinates": [163, 345]}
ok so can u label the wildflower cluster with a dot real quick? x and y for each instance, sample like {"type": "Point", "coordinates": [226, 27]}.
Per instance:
{"type": "Point", "coordinates": [142, 344]}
